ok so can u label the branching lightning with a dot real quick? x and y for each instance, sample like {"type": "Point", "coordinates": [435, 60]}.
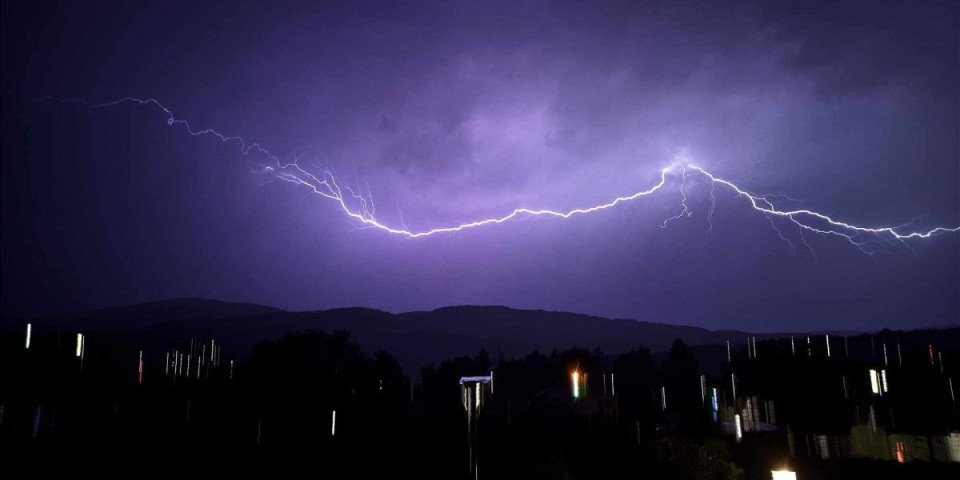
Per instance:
{"type": "Point", "coordinates": [359, 206]}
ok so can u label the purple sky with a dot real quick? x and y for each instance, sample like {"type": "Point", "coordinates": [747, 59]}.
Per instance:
{"type": "Point", "coordinates": [454, 111]}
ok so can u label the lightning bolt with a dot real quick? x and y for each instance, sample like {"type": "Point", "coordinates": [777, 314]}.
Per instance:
{"type": "Point", "coordinates": [685, 211]}
{"type": "Point", "coordinates": [360, 207]}
{"type": "Point", "coordinates": [847, 230]}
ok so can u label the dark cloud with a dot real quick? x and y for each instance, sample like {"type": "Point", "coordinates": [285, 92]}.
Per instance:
{"type": "Point", "coordinates": [862, 47]}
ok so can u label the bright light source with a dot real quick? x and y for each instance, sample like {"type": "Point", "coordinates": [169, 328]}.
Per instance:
{"type": "Point", "coordinates": [736, 421]}
{"type": "Point", "coordinates": [79, 344]}
{"type": "Point", "coordinates": [575, 376]}
{"type": "Point", "coordinates": [883, 381]}
{"type": "Point", "coordinates": [784, 475]}
{"type": "Point", "coordinates": [874, 381]}
{"type": "Point", "coordinates": [333, 424]}
{"type": "Point", "coordinates": [29, 327]}
{"type": "Point", "coordinates": [477, 390]}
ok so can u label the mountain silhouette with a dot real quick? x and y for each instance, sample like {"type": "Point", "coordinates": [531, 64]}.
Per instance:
{"type": "Point", "coordinates": [414, 338]}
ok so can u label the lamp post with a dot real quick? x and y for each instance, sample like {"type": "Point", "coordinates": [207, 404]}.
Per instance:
{"type": "Point", "coordinates": [473, 391]}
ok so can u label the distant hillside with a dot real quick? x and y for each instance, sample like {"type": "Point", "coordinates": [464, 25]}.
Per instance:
{"type": "Point", "coordinates": [415, 338]}
{"type": "Point", "coordinates": [142, 315]}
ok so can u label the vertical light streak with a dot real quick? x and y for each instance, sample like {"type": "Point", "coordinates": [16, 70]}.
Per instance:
{"type": "Point", "coordinates": [733, 386]}
{"type": "Point", "coordinates": [715, 404]}
{"type": "Point", "coordinates": [703, 389]}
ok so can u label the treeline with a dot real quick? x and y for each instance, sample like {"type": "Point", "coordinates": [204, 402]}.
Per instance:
{"type": "Point", "coordinates": [316, 398]}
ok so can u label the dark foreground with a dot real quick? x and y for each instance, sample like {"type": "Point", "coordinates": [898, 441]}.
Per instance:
{"type": "Point", "coordinates": [273, 415]}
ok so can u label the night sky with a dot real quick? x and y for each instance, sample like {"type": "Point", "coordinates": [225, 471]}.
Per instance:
{"type": "Point", "coordinates": [446, 112]}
